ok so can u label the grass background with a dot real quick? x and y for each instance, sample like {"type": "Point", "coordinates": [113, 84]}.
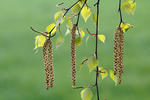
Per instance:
{"type": "Point", "coordinates": [22, 72]}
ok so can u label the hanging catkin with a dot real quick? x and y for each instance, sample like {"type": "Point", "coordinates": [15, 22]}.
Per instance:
{"type": "Point", "coordinates": [46, 63]}
{"type": "Point", "coordinates": [121, 45]}
{"type": "Point", "coordinates": [73, 54]}
{"type": "Point", "coordinates": [50, 56]}
{"type": "Point", "coordinates": [118, 52]}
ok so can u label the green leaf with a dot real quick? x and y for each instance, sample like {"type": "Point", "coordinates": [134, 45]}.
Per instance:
{"type": "Point", "coordinates": [59, 17]}
{"type": "Point", "coordinates": [86, 94]}
{"type": "Point", "coordinates": [76, 8]}
{"type": "Point", "coordinates": [86, 12]}
{"type": "Point", "coordinates": [78, 41]}
{"type": "Point", "coordinates": [39, 41]}
{"type": "Point", "coordinates": [59, 41]}
{"type": "Point", "coordinates": [103, 72]}
{"type": "Point", "coordinates": [113, 77]}
{"type": "Point", "coordinates": [92, 63]}
{"type": "Point", "coordinates": [95, 17]}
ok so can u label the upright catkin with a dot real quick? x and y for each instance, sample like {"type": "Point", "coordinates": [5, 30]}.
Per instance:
{"type": "Point", "coordinates": [73, 54]}
{"type": "Point", "coordinates": [118, 52]}
{"type": "Point", "coordinates": [46, 63]}
{"type": "Point", "coordinates": [50, 56]}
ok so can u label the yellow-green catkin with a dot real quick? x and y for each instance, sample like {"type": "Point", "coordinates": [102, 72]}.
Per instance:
{"type": "Point", "coordinates": [73, 54]}
{"type": "Point", "coordinates": [118, 52]}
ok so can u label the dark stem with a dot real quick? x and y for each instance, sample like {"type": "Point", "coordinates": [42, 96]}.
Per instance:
{"type": "Point", "coordinates": [80, 13]}
{"type": "Point", "coordinates": [120, 12]}
{"type": "Point", "coordinates": [96, 49]}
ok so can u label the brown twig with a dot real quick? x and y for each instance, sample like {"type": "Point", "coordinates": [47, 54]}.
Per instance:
{"type": "Point", "coordinates": [42, 33]}
{"type": "Point", "coordinates": [78, 87]}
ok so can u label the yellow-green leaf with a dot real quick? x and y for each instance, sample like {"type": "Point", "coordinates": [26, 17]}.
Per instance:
{"type": "Point", "coordinates": [78, 41]}
{"type": "Point", "coordinates": [50, 27]}
{"type": "Point", "coordinates": [129, 6]}
{"type": "Point", "coordinates": [76, 8]}
{"type": "Point", "coordinates": [82, 34]}
{"type": "Point", "coordinates": [92, 63]}
{"type": "Point", "coordinates": [103, 72]}
{"type": "Point", "coordinates": [59, 41]}
{"type": "Point", "coordinates": [95, 17]}
{"type": "Point", "coordinates": [59, 17]}
{"type": "Point", "coordinates": [69, 23]}
{"type": "Point", "coordinates": [86, 12]}
{"type": "Point", "coordinates": [101, 38]}
{"type": "Point", "coordinates": [68, 31]}
{"type": "Point", "coordinates": [39, 41]}
{"type": "Point", "coordinates": [125, 26]}
{"type": "Point", "coordinates": [113, 77]}
{"type": "Point", "coordinates": [86, 94]}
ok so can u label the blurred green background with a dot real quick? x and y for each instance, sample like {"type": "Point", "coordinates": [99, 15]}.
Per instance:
{"type": "Point", "coordinates": [21, 70]}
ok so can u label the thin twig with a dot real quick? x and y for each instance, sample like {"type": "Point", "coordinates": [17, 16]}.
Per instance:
{"type": "Point", "coordinates": [80, 12]}
{"type": "Point", "coordinates": [78, 87]}
{"type": "Point", "coordinates": [42, 33]}
{"type": "Point", "coordinates": [59, 4]}
{"type": "Point", "coordinates": [96, 49]}
{"type": "Point", "coordinates": [120, 12]}
{"type": "Point", "coordinates": [84, 61]}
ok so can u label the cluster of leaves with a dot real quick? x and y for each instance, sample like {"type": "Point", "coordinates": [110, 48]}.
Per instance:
{"type": "Point", "coordinates": [129, 7]}
{"type": "Point", "coordinates": [60, 18]}
{"type": "Point", "coordinates": [87, 94]}
{"type": "Point", "coordinates": [92, 63]}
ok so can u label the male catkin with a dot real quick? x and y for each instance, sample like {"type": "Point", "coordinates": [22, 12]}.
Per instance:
{"type": "Point", "coordinates": [121, 45]}
{"type": "Point", "coordinates": [118, 52]}
{"type": "Point", "coordinates": [73, 54]}
{"type": "Point", "coordinates": [46, 63]}
{"type": "Point", "coordinates": [50, 56]}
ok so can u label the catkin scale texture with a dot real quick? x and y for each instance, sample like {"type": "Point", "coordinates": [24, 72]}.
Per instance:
{"type": "Point", "coordinates": [50, 56]}
{"type": "Point", "coordinates": [121, 46]}
{"type": "Point", "coordinates": [73, 54]}
{"type": "Point", "coordinates": [48, 63]}
{"type": "Point", "coordinates": [118, 52]}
